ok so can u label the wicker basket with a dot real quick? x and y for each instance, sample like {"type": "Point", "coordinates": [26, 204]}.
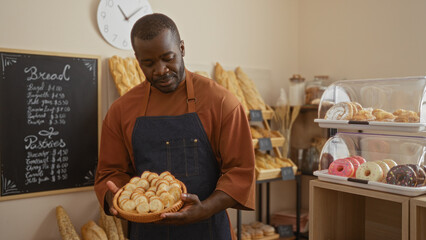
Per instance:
{"type": "Point", "coordinates": [147, 217]}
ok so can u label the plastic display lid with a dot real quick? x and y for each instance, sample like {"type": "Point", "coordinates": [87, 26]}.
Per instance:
{"type": "Point", "coordinates": [384, 187]}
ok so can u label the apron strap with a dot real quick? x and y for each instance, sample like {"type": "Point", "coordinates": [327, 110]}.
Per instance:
{"type": "Point", "coordinates": [191, 100]}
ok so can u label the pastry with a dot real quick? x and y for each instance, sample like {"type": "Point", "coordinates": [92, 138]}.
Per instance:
{"type": "Point", "coordinates": [126, 73]}
{"type": "Point", "coordinates": [383, 116]}
{"type": "Point", "coordinates": [406, 116]}
{"type": "Point", "coordinates": [340, 111]}
{"type": "Point", "coordinates": [150, 193]}
{"type": "Point", "coordinates": [364, 115]}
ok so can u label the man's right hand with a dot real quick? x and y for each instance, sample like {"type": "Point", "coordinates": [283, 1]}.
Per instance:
{"type": "Point", "coordinates": [112, 190]}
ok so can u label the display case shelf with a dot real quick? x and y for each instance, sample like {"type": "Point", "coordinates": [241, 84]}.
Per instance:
{"type": "Point", "coordinates": [344, 212]}
{"type": "Point", "coordinates": [418, 218]}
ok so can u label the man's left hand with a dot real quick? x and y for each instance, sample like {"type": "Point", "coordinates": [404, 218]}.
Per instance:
{"type": "Point", "coordinates": [192, 211]}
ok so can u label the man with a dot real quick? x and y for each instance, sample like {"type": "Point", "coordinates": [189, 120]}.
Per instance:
{"type": "Point", "coordinates": [180, 122]}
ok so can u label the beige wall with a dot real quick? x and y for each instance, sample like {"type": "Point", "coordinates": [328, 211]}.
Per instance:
{"type": "Point", "coordinates": [350, 39]}
{"type": "Point", "coordinates": [260, 36]}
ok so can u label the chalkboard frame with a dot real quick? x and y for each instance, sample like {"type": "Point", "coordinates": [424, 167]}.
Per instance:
{"type": "Point", "coordinates": [99, 119]}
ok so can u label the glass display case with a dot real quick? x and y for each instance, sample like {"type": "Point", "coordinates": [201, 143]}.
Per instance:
{"type": "Point", "coordinates": [389, 163]}
{"type": "Point", "coordinates": [392, 104]}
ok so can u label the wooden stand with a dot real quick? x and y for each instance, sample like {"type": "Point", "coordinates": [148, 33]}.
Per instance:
{"type": "Point", "coordinates": [418, 218]}
{"type": "Point", "coordinates": [344, 212]}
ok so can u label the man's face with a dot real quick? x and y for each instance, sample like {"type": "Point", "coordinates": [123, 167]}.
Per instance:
{"type": "Point", "coordinates": [161, 60]}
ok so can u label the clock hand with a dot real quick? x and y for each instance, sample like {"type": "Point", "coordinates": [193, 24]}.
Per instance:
{"type": "Point", "coordinates": [124, 15]}
{"type": "Point", "coordinates": [137, 10]}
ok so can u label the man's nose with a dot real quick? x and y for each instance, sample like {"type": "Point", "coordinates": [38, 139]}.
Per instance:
{"type": "Point", "coordinates": [160, 69]}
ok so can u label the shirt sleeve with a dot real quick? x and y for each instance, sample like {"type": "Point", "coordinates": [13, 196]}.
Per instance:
{"type": "Point", "coordinates": [237, 159]}
{"type": "Point", "coordinates": [114, 160]}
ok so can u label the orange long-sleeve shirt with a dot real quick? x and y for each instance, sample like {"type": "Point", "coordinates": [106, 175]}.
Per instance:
{"type": "Point", "coordinates": [224, 122]}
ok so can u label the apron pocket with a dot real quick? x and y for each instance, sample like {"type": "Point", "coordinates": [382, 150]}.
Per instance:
{"type": "Point", "coordinates": [182, 156]}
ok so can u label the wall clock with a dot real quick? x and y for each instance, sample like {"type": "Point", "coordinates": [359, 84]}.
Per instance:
{"type": "Point", "coordinates": [116, 19]}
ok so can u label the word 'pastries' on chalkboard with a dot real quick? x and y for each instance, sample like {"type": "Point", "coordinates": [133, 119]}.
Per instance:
{"type": "Point", "coordinates": [48, 123]}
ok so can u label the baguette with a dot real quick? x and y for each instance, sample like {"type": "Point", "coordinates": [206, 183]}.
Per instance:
{"type": "Point", "coordinates": [66, 228]}
{"type": "Point", "coordinates": [109, 226]}
{"type": "Point", "coordinates": [91, 231]}
{"type": "Point", "coordinates": [119, 227]}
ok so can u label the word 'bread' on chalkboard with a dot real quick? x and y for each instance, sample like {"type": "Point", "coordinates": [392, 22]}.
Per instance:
{"type": "Point", "coordinates": [265, 144]}
{"type": "Point", "coordinates": [287, 173]}
{"type": "Point", "coordinates": [256, 116]}
{"type": "Point", "coordinates": [285, 231]}
{"type": "Point", "coordinates": [49, 122]}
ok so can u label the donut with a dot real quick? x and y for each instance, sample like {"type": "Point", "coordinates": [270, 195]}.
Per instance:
{"type": "Point", "coordinates": [402, 175]}
{"type": "Point", "coordinates": [360, 159]}
{"type": "Point", "coordinates": [370, 171]}
{"type": "Point", "coordinates": [326, 160]}
{"type": "Point", "coordinates": [385, 169]}
{"type": "Point", "coordinates": [391, 163]}
{"type": "Point", "coordinates": [421, 175]}
{"type": "Point", "coordinates": [356, 164]}
{"type": "Point", "coordinates": [341, 167]}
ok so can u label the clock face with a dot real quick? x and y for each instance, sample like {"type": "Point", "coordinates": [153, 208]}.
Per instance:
{"type": "Point", "coordinates": [116, 19]}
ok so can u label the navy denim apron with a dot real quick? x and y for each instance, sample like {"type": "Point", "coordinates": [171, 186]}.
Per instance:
{"type": "Point", "coordinates": [180, 145]}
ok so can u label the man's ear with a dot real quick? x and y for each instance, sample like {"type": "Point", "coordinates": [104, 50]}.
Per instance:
{"type": "Point", "coordinates": [182, 48]}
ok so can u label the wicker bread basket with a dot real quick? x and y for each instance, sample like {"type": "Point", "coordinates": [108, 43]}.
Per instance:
{"type": "Point", "coordinates": [147, 217]}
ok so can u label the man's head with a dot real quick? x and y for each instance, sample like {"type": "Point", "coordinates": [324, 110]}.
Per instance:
{"type": "Point", "coordinates": [159, 51]}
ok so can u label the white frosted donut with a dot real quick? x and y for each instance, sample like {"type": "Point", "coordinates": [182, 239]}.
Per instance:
{"type": "Point", "coordinates": [370, 171]}
{"type": "Point", "coordinates": [385, 169]}
{"type": "Point", "coordinates": [391, 163]}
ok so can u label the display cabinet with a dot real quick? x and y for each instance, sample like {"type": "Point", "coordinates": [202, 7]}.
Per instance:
{"type": "Point", "coordinates": [418, 218]}
{"type": "Point", "coordinates": [345, 212]}
{"type": "Point", "coordinates": [371, 180]}
{"type": "Point", "coordinates": [396, 104]}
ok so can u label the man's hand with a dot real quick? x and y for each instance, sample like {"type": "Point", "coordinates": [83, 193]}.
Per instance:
{"type": "Point", "coordinates": [113, 189]}
{"type": "Point", "coordinates": [194, 210]}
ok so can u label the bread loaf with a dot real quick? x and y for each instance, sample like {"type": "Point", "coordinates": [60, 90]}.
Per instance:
{"type": "Point", "coordinates": [91, 231]}
{"type": "Point", "coordinates": [126, 73]}
{"type": "Point", "coordinates": [109, 226]}
{"type": "Point", "coordinates": [66, 228]}
{"type": "Point", "coordinates": [251, 94]}
{"type": "Point", "coordinates": [228, 79]}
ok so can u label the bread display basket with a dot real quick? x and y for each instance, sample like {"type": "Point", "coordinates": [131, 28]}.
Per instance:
{"type": "Point", "coordinates": [147, 217]}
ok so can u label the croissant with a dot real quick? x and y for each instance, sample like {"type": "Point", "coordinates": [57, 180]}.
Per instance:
{"type": "Point", "coordinates": [383, 116]}
{"type": "Point", "coordinates": [167, 199]}
{"type": "Point", "coordinates": [406, 116]}
{"type": "Point", "coordinates": [163, 174]}
{"type": "Point", "coordinates": [364, 115]}
{"type": "Point", "coordinates": [130, 186]}
{"type": "Point", "coordinates": [139, 197]}
{"type": "Point", "coordinates": [145, 174]}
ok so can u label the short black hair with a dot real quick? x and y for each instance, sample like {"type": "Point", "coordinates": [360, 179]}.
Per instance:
{"type": "Point", "coordinates": [149, 26]}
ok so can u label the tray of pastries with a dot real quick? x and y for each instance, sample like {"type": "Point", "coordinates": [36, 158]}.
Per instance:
{"type": "Point", "coordinates": [396, 104]}
{"type": "Point", "coordinates": [277, 140]}
{"type": "Point", "coordinates": [143, 199]}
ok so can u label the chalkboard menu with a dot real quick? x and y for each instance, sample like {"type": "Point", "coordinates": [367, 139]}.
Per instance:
{"type": "Point", "coordinates": [48, 122]}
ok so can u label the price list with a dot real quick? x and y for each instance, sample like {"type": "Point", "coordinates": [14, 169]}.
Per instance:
{"type": "Point", "coordinates": [47, 106]}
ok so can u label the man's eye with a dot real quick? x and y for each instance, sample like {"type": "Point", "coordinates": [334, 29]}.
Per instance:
{"type": "Point", "coordinates": [147, 63]}
{"type": "Point", "coordinates": [169, 58]}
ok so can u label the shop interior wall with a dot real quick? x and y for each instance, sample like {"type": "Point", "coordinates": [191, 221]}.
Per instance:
{"type": "Point", "coordinates": [260, 36]}
{"type": "Point", "coordinates": [349, 39]}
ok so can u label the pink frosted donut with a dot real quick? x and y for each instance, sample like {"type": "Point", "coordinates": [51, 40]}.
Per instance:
{"type": "Point", "coordinates": [370, 171]}
{"type": "Point", "coordinates": [341, 167]}
{"type": "Point", "coordinates": [354, 162]}
{"type": "Point", "coordinates": [360, 159]}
